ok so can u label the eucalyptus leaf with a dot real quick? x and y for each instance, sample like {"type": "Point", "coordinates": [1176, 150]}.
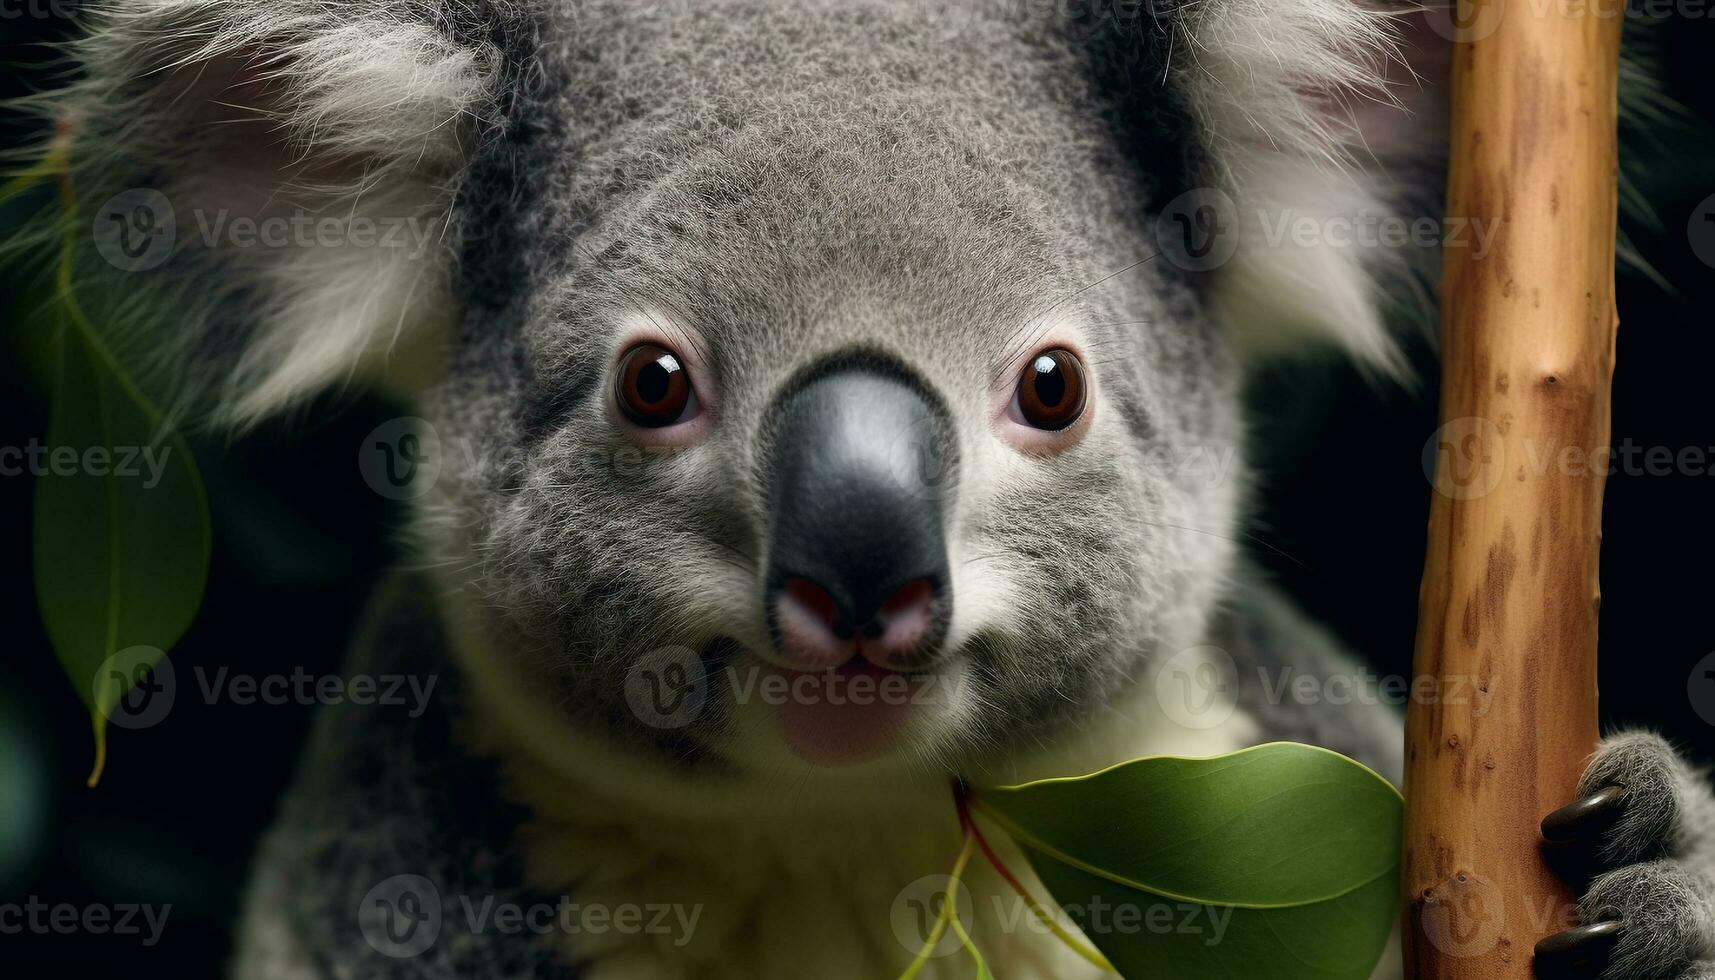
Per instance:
{"type": "Point", "coordinates": [121, 527]}
{"type": "Point", "coordinates": [1279, 862]}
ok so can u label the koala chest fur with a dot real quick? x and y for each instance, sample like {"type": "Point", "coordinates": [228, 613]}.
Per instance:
{"type": "Point", "coordinates": [833, 882]}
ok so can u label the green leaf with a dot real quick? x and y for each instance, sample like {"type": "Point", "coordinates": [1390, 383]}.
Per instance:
{"type": "Point", "coordinates": [121, 527]}
{"type": "Point", "coordinates": [1279, 862]}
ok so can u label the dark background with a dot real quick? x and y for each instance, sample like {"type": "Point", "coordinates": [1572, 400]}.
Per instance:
{"type": "Point", "coordinates": [300, 538]}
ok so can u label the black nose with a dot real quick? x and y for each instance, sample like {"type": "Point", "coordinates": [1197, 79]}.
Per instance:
{"type": "Point", "coordinates": [857, 467]}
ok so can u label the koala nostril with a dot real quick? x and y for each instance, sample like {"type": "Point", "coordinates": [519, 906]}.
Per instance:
{"type": "Point", "coordinates": [812, 632]}
{"type": "Point", "coordinates": [905, 619]}
{"type": "Point", "coordinates": [816, 601]}
{"type": "Point", "coordinates": [816, 633]}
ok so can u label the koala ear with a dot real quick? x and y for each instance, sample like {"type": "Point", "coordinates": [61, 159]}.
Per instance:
{"type": "Point", "coordinates": [1322, 124]}
{"type": "Point", "coordinates": [283, 173]}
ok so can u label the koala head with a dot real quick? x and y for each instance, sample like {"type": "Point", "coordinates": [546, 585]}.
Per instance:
{"type": "Point", "coordinates": [825, 387]}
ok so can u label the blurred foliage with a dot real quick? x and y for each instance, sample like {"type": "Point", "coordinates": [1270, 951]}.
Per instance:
{"type": "Point", "coordinates": [121, 541]}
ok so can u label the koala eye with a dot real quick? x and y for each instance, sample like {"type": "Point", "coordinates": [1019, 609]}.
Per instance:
{"type": "Point", "coordinates": [1051, 391]}
{"type": "Point", "coordinates": [653, 388]}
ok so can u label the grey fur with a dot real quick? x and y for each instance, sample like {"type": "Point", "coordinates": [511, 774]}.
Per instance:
{"type": "Point", "coordinates": [1661, 856]}
{"type": "Point", "coordinates": [760, 206]}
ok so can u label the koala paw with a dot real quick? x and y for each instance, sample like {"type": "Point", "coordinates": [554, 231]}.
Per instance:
{"type": "Point", "coordinates": [1641, 842]}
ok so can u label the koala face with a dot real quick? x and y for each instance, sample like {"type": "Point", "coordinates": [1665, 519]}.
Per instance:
{"type": "Point", "coordinates": [887, 427]}
{"type": "Point", "coordinates": [819, 398]}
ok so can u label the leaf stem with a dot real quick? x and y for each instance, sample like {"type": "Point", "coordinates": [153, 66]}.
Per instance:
{"type": "Point", "coordinates": [948, 914]}
{"type": "Point", "coordinates": [1083, 949]}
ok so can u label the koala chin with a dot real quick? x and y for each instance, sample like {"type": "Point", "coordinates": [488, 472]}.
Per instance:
{"type": "Point", "coordinates": [830, 400]}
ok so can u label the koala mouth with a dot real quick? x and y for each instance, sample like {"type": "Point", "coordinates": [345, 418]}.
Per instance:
{"type": "Point", "coordinates": [850, 692]}
{"type": "Point", "coordinates": [848, 714]}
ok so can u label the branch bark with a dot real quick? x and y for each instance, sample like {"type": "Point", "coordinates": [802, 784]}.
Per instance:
{"type": "Point", "coordinates": [1507, 611]}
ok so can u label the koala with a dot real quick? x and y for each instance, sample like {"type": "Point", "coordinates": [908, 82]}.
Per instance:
{"type": "Point", "coordinates": [802, 346]}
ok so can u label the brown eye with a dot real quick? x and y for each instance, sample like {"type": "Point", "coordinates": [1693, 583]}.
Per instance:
{"type": "Point", "coordinates": [1051, 391]}
{"type": "Point", "coordinates": [653, 388]}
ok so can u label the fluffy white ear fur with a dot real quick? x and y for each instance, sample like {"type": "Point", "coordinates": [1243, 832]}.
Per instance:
{"type": "Point", "coordinates": [310, 152]}
{"type": "Point", "coordinates": [311, 111]}
{"type": "Point", "coordinates": [1318, 110]}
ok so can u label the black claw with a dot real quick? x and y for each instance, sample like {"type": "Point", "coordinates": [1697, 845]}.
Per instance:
{"type": "Point", "coordinates": [1585, 818]}
{"type": "Point", "coordinates": [1580, 952]}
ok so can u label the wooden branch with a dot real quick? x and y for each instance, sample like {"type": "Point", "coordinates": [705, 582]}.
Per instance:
{"type": "Point", "coordinates": [1510, 592]}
